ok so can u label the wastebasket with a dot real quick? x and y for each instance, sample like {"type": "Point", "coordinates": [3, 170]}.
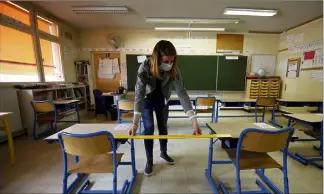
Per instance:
{"type": "Point", "coordinates": [113, 112]}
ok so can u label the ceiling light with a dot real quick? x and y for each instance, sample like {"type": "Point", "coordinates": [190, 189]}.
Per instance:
{"type": "Point", "coordinates": [250, 12]}
{"type": "Point", "coordinates": [188, 29]}
{"type": "Point", "coordinates": [85, 10]}
{"type": "Point", "coordinates": [191, 20]}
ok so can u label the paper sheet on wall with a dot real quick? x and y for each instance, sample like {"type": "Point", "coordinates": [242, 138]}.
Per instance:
{"type": "Point", "coordinates": [299, 37]}
{"type": "Point", "coordinates": [115, 66]}
{"type": "Point", "coordinates": [292, 74]}
{"type": "Point", "coordinates": [317, 75]}
{"type": "Point", "coordinates": [105, 69]}
{"type": "Point", "coordinates": [141, 59]}
{"type": "Point", "coordinates": [318, 57]}
{"type": "Point", "coordinates": [307, 63]}
{"type": "Point", "coordinates": [290, 38]}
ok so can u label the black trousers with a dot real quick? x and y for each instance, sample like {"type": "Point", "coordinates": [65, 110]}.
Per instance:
{"type": "Point", "coordinates": [162, 114]}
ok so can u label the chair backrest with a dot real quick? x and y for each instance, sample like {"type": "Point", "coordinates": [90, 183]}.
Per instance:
{"type": "Point", "coordinates": [127, 105]}
{"type": "Point", "coordinates": [129, 96]}
{"type": "Point", "coordinates": [205, 101]}
{"type": "Point", "coordinates": [42, 106]}
{"type": "Point", "coordinates": [266, 101]}
{"type": "Point", "coordinates": [86, 144]}
{"type": "Point", "coordinates": [258, 140]}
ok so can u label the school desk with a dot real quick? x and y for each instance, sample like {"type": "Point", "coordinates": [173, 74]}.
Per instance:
{"type": "Point", "coordinates": [120, 132]}
{"type": "Point", "coordinates": [300, 102]}
{"type": "Point", "coordinates": [312, 119]}
{"type": "Point", "coordinates": [6, 129]}
{"type": "Point", "coordinates": [234, 130]}
{"type": "Point", "coordinates": [115, 95]}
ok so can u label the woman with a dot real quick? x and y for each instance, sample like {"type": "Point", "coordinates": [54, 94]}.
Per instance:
{"type": "Point", "coordinates": [155, 79]}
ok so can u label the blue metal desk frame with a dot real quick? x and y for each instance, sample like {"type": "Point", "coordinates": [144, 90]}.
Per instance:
{"type": "Point", "coordinates": [86, 183]}
{"type": "Point", "coordinates": [304, 159]}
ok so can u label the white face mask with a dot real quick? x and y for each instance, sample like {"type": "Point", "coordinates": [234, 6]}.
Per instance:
{"type": "Point", "coordinates": [165, 66]}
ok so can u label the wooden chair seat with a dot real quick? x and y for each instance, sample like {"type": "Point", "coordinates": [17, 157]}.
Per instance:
{"type": "Point", "coordinates": [97, 164]}
{"type": "Point", "coordinates": [48, 117]}
{"type": "Point", "coordinates": [127, 115]}
{"type": "Point", "coordinates": [253, 160]}
{"type": "Point", "coordinates": [209, 110]}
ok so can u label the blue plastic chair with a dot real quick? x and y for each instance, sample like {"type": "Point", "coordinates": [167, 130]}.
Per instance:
{"type": "Point", "coordinates": [45, 111]}
{"type": "Point", "coordinates": [100, 103]}
{"type": "Point", "coordinates": [251, 153]}
{"type": "Point", "coordinates": [97, 152]}
{"type": "Point", "coordinates": [125, 108]}
{"type": "Point", "coordinates": [208, 102]}
{"type": "Point", "coordinates": [265, 102]}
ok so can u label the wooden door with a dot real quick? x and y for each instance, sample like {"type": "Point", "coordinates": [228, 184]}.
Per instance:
{"type": "Point", "coordinates": [103, 84]}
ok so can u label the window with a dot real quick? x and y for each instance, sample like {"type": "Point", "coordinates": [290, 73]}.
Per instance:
{"type": "Point", "coordinates": [51, 61]}
{"type": "Point", "coordinates": [19, 61]}
{"type": "Point", "coordinates": [47, 26]}
{"type": "Point", "coordinates": [17, 56]}
{"type": "Point", "coordinates": [16, 12]}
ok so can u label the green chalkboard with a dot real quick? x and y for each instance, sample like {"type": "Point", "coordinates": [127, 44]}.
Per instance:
{"type": "Point", "coordinates": [198, 71]}
{"type": "Point", "coordinates": [231, 74]}
{"type": "Point", "coordinates": [132, 67]}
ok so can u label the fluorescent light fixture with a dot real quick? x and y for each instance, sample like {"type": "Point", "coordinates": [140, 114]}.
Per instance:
{"type": "Point", "coordinates": [191, 20]}
{"type": "Point", "coordinates": [249, 12]}
{"type": "Point", "coordinates": [85, 10]}
{"type": "Point", "coordinates": [188, 29]}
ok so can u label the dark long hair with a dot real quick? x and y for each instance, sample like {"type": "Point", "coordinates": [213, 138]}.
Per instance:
{"type": "Point", "coordinates": [163, 48]}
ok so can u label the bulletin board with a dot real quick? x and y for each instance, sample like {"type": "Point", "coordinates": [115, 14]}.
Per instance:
{"type": "Point", "coordinates": [293, 68]}
{"type": "Point", "coordinates": [103, 84]}
{"type": "Point", "coordinates": [226, 43]}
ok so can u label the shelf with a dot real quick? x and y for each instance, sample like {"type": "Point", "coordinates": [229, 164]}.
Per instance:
{"type": "Point", "coordinates": [312, 68]}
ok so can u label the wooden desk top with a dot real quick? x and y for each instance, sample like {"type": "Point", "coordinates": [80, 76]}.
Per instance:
{"type": "Point", "coordinates": [5, 113]}
{"type": "Point", "coordinates": [91, 128]}
{"type": "Point", "coordinates": [300, 100]}
{"type": "Point", "coordinates": [236, 99]}
{"type": "Point", "coordinates": [235, 129]}
{"type": "Point", "coordinates": [307, 117]}
{"type": "Point", "coordinates": [58, 102]}
{"type": "Point", "coordinates": [111, 94]}
{"type": "Point", "coordinates": [120, 131]}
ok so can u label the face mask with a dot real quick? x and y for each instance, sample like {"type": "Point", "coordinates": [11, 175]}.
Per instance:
{"type": "Point", "coordinates": [165, 66]}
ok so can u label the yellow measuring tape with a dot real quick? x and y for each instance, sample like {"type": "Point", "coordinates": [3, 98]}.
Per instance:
{"type": "Point", "coordinates": [171, 136]}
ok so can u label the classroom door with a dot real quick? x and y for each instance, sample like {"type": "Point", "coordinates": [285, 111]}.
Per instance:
{"type": "Point", "coordinates": [103, 84]}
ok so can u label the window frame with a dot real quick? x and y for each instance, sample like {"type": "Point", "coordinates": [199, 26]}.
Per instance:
{"type": "Point", "coordinates": [36, 36]}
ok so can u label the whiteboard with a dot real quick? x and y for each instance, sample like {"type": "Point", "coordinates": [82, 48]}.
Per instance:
{"type": "Point", "coordinates": [266, 62]}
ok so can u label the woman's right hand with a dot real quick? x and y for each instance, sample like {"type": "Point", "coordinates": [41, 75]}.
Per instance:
{"type": "Point", "coordinates": [132, 130]}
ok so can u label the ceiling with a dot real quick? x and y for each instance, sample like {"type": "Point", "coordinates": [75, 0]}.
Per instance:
{"type": "Point", "coordinates": [290, 13]}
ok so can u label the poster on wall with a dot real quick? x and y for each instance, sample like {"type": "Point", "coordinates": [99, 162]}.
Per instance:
{"type": "Point", "coordinates": [308, 59]}
{"type": "Point", "coordinates": [293, 67]}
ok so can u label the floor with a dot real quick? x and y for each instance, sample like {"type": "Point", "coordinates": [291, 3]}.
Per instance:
{"type": "Point", "coordinates": [39, 165]}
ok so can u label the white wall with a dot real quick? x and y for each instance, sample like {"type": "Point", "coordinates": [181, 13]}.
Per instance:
{"type": "Point", "coordinates": [303, 86]}
{"type": "Point", "coordinates": [253, 43]}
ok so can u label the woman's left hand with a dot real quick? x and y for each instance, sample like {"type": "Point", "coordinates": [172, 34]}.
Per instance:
{"type": "Point", "coordinates": [197, 130]}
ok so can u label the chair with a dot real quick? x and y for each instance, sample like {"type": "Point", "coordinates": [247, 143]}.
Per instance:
{"type": "Point", "coordinates": [129, 96]}
{"type": "Point", "coordinates": [44, 111]}
{"type": "Point", "coordinates": [100, 103]}
{"type": "Point", "coordinates": [251, 153]}
{"type": "Point", "coordinates": [265, 102]}
{"type": "Point", "coordinates": [125, 112]}
{"type": "Point", "coordinates": [94, 153]}
{"type": "Point", "coordinates": [209, 103]}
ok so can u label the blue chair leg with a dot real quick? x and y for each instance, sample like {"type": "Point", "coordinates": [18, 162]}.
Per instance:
{"type": "Point", "coordinates": [256, 114]}
{"type": "Point", "coordinates": [238, 180]}
{"type": "Point", "coordinates": [263, 113]}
